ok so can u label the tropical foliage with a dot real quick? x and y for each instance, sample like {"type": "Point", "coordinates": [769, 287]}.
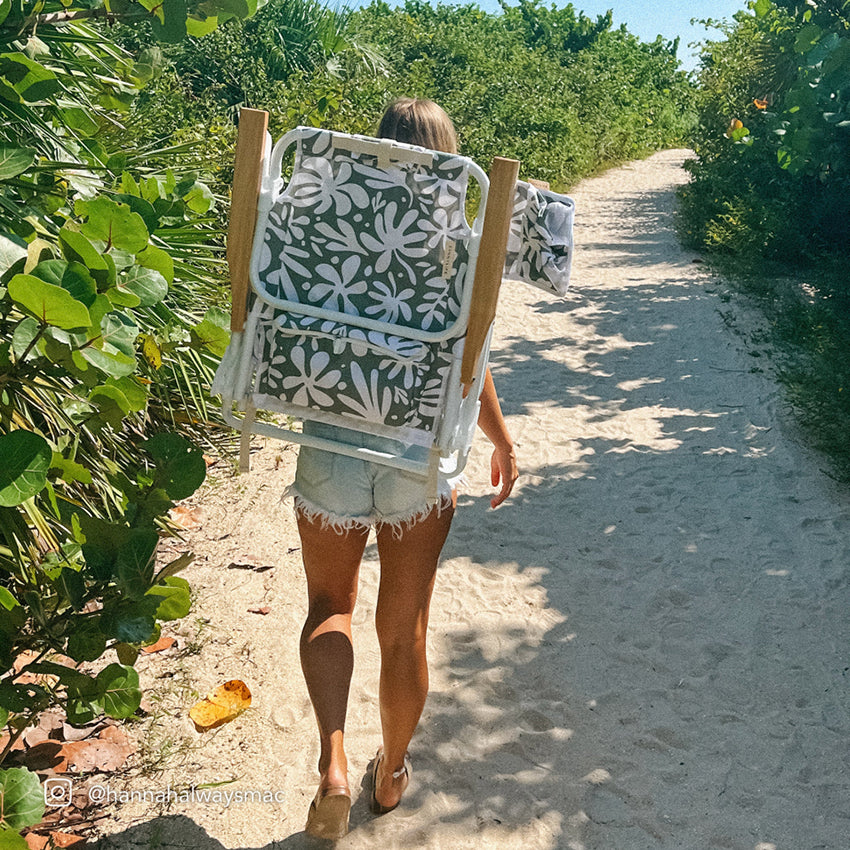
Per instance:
{"type": "Point", "coordinates": [563, 92]}
{"type": "Point", "coordinates": [770, 194]}
{"type": "Point", "coordinates": [92, 237]}
{"type": "Point", "coordinates": [773, 137]}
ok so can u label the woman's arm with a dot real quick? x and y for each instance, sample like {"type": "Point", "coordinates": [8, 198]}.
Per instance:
{"type": "Point", "coordinates": [503, 462]}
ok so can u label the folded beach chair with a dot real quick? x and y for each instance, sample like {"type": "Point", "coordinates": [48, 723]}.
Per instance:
{"type": "Point", "coordinates": [368, 307]}
{"type": "Point", "coordinates": [540, 244]}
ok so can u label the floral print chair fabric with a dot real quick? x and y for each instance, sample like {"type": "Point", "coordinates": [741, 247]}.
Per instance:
{"type": "Point", "coordinates": [362, 273]}
{"type": "Point", "coordinates": [540, 245]}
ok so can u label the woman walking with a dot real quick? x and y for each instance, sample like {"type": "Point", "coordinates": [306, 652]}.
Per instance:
{"type": "Point", "coordinates": [337, 499]}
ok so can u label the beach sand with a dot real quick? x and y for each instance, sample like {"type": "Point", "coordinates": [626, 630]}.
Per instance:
{"type": "Point", "coordinates": [647, 647]}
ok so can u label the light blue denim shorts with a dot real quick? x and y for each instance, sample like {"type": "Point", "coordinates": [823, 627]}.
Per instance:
{"type": "Point", "coordinates": [345, 492]}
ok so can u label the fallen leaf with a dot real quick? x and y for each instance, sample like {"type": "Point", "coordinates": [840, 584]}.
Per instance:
{"type": "Point", "coordinates": [35, 736]}
{"type": "Point", "coordinates": [18, 745]}
{"type": "Point", "coordinates": [264, 610]}
{"type": "Point", "coordinates": [165, 642]}
{"type": "Point", "coordinates": [79, 733]}
{"type": "Point", "coordinates": [224, 704]}
{"type": "Point", "coordinates": [185, 517]}
{"type": "Point", "coordinates": [36, 842]}
{"type": "Point", "coordinates": [65, 839]}
{"type": "Point", "coordinates": [93, 754]}
{"type": "Point", "coordinates": [42, 756]}
{"type": "Point", "coordinates": [24, 658]}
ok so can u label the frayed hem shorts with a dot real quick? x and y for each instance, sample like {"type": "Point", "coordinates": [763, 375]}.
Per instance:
{"type": "Point", "coordinates": [344, 493]}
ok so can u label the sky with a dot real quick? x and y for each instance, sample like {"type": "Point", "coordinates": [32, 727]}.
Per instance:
{"type": "Point", "coordinates": [649, 18]}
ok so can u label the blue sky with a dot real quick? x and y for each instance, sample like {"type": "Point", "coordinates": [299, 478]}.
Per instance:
{"type": "Point", "coordinates": [649, 18]}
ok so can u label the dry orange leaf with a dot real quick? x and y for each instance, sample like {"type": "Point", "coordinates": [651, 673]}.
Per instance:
{"type": "Point", "coordinates": [224, 704]}
{"type": "Point", "coordinates": [165, 642]}
{"type": "Point", "coordinates": [760, 103]}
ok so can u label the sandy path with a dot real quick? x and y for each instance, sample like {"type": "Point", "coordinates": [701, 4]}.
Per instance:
{"type": "Point", "coordinates": [647, 649]}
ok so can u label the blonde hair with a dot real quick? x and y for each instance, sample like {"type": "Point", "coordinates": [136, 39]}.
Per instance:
{"type": "Point", "coordinates": [418, 121]}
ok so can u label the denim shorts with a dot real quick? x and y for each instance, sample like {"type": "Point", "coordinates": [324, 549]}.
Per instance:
{"type": "Point", "coordinates": [345, 492]}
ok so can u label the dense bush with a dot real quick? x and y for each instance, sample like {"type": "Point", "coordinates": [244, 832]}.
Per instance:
{"type": "Point", "coordinates": [562, 92]}
{"type": "Point", "coordinates": [773, 136]}
{"type": "Point", "coordinates": [98, 247]}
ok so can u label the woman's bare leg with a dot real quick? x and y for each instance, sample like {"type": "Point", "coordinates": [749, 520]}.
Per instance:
{"type": "Point", "coordinates": [332, 563]}
{"type": "Point", "coordinates": [408, 569]}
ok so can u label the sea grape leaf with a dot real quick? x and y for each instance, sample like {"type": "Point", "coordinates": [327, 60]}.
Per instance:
{"type": "Point", "coordinates": [180, 466]}
{"type": "Point", "coordinates": [119, 686]}
{"type": "Point", "coordinates": [21, 799]}
{"type": "Point", "coordinates": [50, 304]}
{"type": "Point", "coordinates": [115, 224]}
{"type": "Point", "coordinates": [26, 461]}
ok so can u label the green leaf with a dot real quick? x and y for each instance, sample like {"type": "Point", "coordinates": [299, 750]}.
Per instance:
{"type": "Point", "coordinates": [209, 334]}
{"type": "Point", "coordinates": [7, 601]}
{"type": "Point", "coordinates": [135, 562]}
{"type": "Point", "coordinates": [810, 34]}
{"type": "Point", "coordinates": [21, 79]}
{"type": "Point", "coordinates": [107, 543]}
{"type": "Point", "coordinates": [115, 224]}
{"type": "Point", "coordinates": [21, 798]}
{"type": "Point", "coordinates": [12, 249]}
{"type": "Point", "coordinates": [87, 642]}
{"type": "Point", "coordinates": [84, 701]}
{"type": "Point", "coordinates": [23, 335]}
{"type": "Point", "coordinates": [142, 207]}
{"type": "Point", "coordinates": [121, 297]}
{"type": "Point", "coordinates": [127, 653]}
{"type": "Point", "coordinates": [79, 120]}
{"type": "Point", "coordinates": [76, 247]}
{"type": "Point", "coordinates": [172, 28]}
{"type": "Point", "coordinates": [120, 331]}
{"type": "Point", "coordinates": [131, 622]}
{"type": "Point", "coordinates": [120, 688]}
{"type": "Point", "coordinates": [50, 271]}
{"type": "Point", "coordinates": [135, 393]}
{"type": "Point", "coordinates": [23, 472]}
{"type": "Point", "coordinates": [72, 585]}
{"type": "Point", "coordinates": [198, 27]}
{"type": "Point", "coordinates": [762, 7]}
{"type": "Point", "coordinates": [13, 698]}
{"type": "Point", "coordinates": [112, 405]}
{"type": "Point", "coordinates": [14, 161]}
{"type": "Point", "coordinates": [79, 282]}
{"type": "Point", "coordinates": [69, 470]}
{"type": "Point", "coordinates": [158, 260]}
{"type": "Point", "coordinates": [11, 840]}
{"type": "Point", "coordinates": [199, 198]}
{"type": "Point", "coordinates": [180, 466]}
{"type": "Point", "coordinates": [176, 601]}
{"type": "Point", "coordinates": [149, 285]}
{"type": "Point", "coordinates": [111, 363]}
{"type": "Point", "coordinates": [50, 304]}
{"type": "Point", "coordinates": [5, 8]}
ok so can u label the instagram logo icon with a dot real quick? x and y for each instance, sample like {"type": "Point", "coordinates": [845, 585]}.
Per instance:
{"type": "Point", "coordinates": [57, 792]}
